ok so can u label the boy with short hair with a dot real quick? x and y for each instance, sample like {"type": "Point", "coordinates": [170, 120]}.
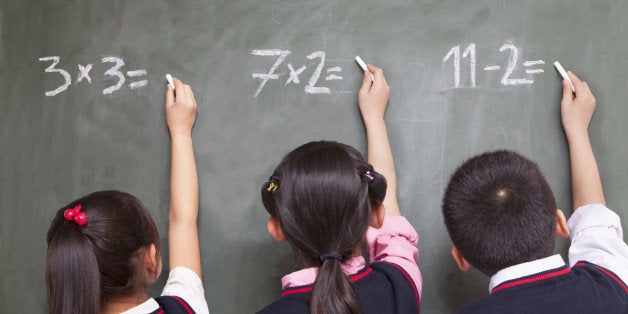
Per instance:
{"type": "Point", "coordinates": [502, 218]}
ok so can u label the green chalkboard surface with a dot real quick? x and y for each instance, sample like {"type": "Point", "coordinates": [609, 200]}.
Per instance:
{"type": "Point", "coordinates": [81, 109]}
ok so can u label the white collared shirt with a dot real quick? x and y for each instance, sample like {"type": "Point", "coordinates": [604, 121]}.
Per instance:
{"type": "Point", "coordinates": [182, 282]}
{"type": "Point", "coordinates": [526, 269]}
{"type": "Point", "coordinates": [596, 237]}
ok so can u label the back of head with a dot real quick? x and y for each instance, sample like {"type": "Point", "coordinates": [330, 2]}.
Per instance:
{"type": "Point", "coordinates": [500, 211]}
{"type": "Point", "coordinates": [322, 199]}
{"type": "Point", "coordinates": [88, 265]}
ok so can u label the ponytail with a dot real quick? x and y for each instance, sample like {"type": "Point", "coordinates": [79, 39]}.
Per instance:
{"type": "Point", "coordinates": [322, 194]}
{"type": "Point", "coordinates": [72, 273]}
{"type": "Point", "coordinates": [93, 260]}
{"type": "Point", "coordinates": [332, 291]}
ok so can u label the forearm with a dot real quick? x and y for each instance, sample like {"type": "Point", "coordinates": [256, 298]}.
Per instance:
{"type": "Point", "coordinates": [585, 177]}
{"type": "Point", "coordinates": [183, 205]}
{"type": "Point", "coordinates": [380, 156]}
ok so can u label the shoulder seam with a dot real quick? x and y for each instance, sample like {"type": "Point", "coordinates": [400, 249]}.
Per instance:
{"type": "Point", "coordinates": [410, 281]}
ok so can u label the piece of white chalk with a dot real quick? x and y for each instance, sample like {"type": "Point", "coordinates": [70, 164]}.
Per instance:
{"type": "Point", "coordinates": [363, 66]}
{"type": "Point", "coordinates": [563, 73]}
{"type": "Point", "coordinates": [361, 63]}
{"type": "Point", "coordinates": [169, 79]}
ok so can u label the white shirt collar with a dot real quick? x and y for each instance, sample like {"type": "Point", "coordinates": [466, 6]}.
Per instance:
{"type": "Point", "coordinates": [526, 269]}
{"type": "Point", "coordinates": [148, 306]}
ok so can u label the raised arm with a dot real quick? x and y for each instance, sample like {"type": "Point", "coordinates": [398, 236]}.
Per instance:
{"type": "Point", "coordinates": [373, 99]}
{"type": "Point", "coordinates": [576, 111]}
{"type": "Point", "coordinates": [183, 230]}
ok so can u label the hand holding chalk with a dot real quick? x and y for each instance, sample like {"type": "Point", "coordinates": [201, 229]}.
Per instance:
{"type": "Point", "coordinates": [373, 96]}
{"type": "Point", "coordinates": [563, 73]}
{"type": "Point", "coordinates": [363, 66]}
{"type": "Point", "coordinates": [169, 79]}
{"type": "Point", "coordinates": [180, 109]}
{"type": "Point", "coordinates": [576, 112]}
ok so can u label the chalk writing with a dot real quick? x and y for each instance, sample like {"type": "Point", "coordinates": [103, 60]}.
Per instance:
{"type": "Point", "coordinates": [294, 75]}
{"type": "Point", "coordinates": [83, 74]}
{"type": "Point", "coordinates": [271, 73]}
{"type": "Point", "coordinates": [332, 77]}
{"type": "Point", "coordinates": [114, 72]}
{"type": "Point", "coordinates": [136, 73]}
{"type": "Point", "coordinates": [512, 65]}
{"type": "Point", "coordinates": [310, 88]}
{"type": "Point", "coordinates": [51, 69]}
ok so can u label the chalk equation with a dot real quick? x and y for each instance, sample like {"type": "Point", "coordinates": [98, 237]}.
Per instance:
{"type": "Point", "coordinates": [294, 75]}
{"type": "Point", "coordinates": [83, 74]}
{"type": "Point", "coordinates": [508, 77]}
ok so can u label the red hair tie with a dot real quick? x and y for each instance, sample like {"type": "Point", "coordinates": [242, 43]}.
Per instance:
{"type": "Point", "coordinates": [76, 214]}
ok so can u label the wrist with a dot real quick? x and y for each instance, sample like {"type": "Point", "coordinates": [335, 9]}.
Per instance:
{"type": "Point", "coordinates": [374, 122]}
{"type": "Point", "coordinates": [180, 134]}
{"type": "Point", "coordinates": [577, 136]}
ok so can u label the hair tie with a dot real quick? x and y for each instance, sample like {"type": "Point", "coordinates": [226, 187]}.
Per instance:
{"type": "Point", "coordinates": [333, 255]}
{"type": "Point", "coordinates": [368, 176]}
{"type": "Point", "coordinates": [272, 187]}
{"type": "Point", "coordinates": [75, 214]}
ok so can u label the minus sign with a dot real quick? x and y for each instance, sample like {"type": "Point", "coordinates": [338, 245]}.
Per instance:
{"type": "Point", "coordinates": [492, 68]}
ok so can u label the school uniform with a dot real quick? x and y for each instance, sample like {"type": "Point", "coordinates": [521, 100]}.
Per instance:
{"type": "Point", "coordinates": [594, 281]}
{"type": "Point", "coordinates": [392, 283]}
{"type": "Point", "coordinates": [183, 293]}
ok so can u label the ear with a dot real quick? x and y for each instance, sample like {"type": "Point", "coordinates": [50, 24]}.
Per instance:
{"type": "Point", "coordinates": [377, 217]}
{"type": "Point", "coordinates": [460, 260]}
{"type": "Point", "coordinates": [274, 229]}
{"type": "Point", "coordinates": [152, 261]}
{"type": "Point", "coordinates": [562, 231]}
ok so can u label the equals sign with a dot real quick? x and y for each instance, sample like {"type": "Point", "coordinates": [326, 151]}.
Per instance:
{"type": "Point", "coordinates": [136, 73]}
{"type": "Point", "coordinates": [332, 77]}
{"type": "Point", "coordinates": [531, 63]}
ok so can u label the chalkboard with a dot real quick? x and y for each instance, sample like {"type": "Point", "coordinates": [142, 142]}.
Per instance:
{"type": "Point", "coordinates": [81, 109]}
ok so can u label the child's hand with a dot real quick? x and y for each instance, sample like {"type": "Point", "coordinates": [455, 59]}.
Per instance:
{"type": "Point", "coordinates": [576, 108]}
{"type": "Point", "coordinates": [373, 95]}
{"type": "Point", "coordinates": [180, 108]}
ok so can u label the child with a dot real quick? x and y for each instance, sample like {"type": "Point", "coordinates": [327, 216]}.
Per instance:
{"type": "Point", "coordinates": [103, 249]}
{"type": "Point", "coordinates": [322, 198]}
{"type": "Point", "coordinates": [502, 218]}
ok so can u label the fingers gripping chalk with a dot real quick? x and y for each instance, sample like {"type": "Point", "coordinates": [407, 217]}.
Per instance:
{"type": "Point", "coordinates": [169, 79]}
{"type": "Point", "coordinates": [363, 66]}
{"type": "Point", "coordinates": [563, 73]}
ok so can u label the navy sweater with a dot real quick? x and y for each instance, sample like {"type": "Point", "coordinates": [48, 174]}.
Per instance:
{"type": "Point", "coordinates": [381, 288]}
{"type": "Point", "coordinates": [585, 288]}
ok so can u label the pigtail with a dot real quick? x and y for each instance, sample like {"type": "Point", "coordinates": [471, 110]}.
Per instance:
{"type": "Point", "coordinates": [95, 247]}
{"type": "Point", "coordinates": [322, 194]}
{"type": "Point", "coordinates": [72, 273]}
{"type": "Point", "coordinates": [376, 183]}
{"type": "Point", "coordinates": [332, 291]}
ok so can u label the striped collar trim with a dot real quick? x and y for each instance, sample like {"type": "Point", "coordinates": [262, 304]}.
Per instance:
{"type": "Point", "coordinates": [528, 272]}
{"type": "Point", "coordinates": [304, 289]}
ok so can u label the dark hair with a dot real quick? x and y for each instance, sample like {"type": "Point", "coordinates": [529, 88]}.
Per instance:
{"type": "Point", "coordinates": [500, 211]}
{"type": "Point", "coordinates": [323, 202]}
{"type": "Point", "coordinates": [88, 265]}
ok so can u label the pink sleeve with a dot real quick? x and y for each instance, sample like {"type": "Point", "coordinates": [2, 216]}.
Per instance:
{"type": "Point", "coordinates": [396, 242]}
